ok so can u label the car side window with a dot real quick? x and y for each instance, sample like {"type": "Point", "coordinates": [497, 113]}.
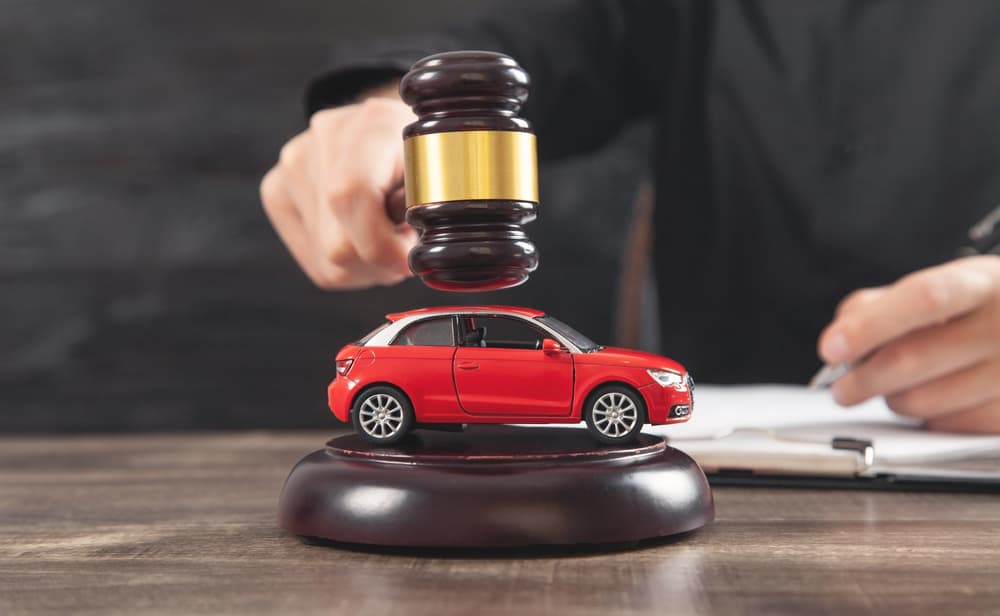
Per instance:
{"type": "Point", "coordinates": [503, 333]}
{"type": "Point", "coordinates": [428, 332]}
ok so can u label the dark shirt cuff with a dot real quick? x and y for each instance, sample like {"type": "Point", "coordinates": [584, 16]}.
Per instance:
{"type": "Point", "coordinates": [355, 68]}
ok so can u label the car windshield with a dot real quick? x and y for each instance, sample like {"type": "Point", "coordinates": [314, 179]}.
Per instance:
{"type": "Point", "coordinates": [372, 333]}
{"type": "Point", "coordinates": [582, 342]}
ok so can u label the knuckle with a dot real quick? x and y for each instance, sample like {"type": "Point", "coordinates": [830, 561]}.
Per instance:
{"type": "Point", "coordinates": [853, 331]}
{"type": "Point", "coordinates": [270, 190]}
{"type": "Point", "coordinates": [338, 251]}
{"type": "Point", "coordinates": [341, 196]}
{"type": "Point", "coordinates": [291, 153]}
{"type": "Point", "coordinates": [868, 295]}
{"type": "Point", "coordinates": [931, 294]}
{"type": "Point", "coordinates": [901, 359]}
{"type": "Point", "coordinates": [858, 295]}
{"type": "Point", "coordinates": [329, 276]}
{"type": "Point", "coordinates": [324, 120]}
{"type": "Point", "coordinates": [387, 115]}
{"type": "Point", "coordinates": [851, 299]}
{"type": "Point", "coordinates": [354, 197]}
{"type": "Point", "coordinates": [375, 107]}
{"type": "Point", "coordinates": [377, 251]}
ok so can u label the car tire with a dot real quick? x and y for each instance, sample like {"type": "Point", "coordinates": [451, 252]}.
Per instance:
{"type": "Point", "coordinates": [382, 415]}
{"type": "Point", "coordinates": [614, 414]}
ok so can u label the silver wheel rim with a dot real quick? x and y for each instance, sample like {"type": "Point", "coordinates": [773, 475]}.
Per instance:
{"type": "Point", "coordinates": [381, 416]}
{"type": "Point", "coordinates": [615, 414]}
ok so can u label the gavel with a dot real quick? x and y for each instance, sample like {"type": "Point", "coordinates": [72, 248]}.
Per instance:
{"type": "Point", "coordinates": [471, 171]}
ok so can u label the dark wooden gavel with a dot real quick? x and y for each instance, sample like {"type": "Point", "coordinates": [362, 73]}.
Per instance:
{"type": "Point", "coordinates": [471, 173]}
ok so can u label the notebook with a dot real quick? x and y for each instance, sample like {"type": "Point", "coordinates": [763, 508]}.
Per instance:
{"type": "Point", "coordinates": [788, 435]}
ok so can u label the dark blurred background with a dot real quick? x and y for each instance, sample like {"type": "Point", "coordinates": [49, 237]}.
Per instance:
{"type": "Point", "coordinates": [141, 286]}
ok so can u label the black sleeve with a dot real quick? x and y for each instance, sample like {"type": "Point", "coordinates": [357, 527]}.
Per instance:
{"type": "Point", "coordinates": [594, 64]}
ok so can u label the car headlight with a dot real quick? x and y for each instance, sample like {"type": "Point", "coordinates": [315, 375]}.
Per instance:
{"type": "Point", "coordinates": [668, 378]}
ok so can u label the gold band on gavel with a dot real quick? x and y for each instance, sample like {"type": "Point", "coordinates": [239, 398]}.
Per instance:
{"type": "Point", "coordinates": [470, 165]}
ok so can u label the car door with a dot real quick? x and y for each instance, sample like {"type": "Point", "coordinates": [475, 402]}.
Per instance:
{"type": "Point", "coordinates": [419, 360]}
{"type": "Point", "coordinates": [501, 370]}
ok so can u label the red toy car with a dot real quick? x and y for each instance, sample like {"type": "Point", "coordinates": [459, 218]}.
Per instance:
{"type": "Point", "coordinates": [498, 364]}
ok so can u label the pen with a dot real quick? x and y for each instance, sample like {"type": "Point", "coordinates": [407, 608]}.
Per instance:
{"type": "Point", "coordinates": [984, 239]}
{"type": "Point", "coordinates": [830, 373]}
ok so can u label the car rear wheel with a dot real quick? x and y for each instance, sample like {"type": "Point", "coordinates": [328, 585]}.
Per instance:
{"type": "Point", "coordinates": [382, 415]}
{"type": "Point", "coordinates": [614, 414]}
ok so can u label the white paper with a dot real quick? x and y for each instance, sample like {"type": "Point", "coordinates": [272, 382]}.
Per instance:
{"type": "Point", "coordinates": [770, 421]}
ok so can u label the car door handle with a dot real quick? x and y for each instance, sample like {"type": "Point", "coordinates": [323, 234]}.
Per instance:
{"type": "Point", "coordinates": [467, 365]}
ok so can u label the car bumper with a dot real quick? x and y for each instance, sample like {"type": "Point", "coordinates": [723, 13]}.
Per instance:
{"type": "Point", "coordinates": [668, 405]}
{"type": "Point", "coordinates": [339, 394]}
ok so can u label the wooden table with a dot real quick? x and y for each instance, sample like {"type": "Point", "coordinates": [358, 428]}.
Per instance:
{"type": "Point", "coordinates": [186, 524]}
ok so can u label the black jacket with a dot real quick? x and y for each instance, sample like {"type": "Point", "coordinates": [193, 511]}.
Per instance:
{"type": "Point", "coordinates": [803, 148]}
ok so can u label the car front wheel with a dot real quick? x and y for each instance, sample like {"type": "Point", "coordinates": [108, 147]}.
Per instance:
{"type": "Point", "coordinates": [382, 415]}
{"type": "Point", "coordinates": [614, 414]}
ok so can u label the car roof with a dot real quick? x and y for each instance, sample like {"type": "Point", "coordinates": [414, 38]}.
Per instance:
{"type": "Point", "coordinates": [523, 312]}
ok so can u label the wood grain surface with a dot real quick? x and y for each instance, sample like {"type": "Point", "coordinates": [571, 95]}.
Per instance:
{"type": "Point", "coordinates": [186, 524]}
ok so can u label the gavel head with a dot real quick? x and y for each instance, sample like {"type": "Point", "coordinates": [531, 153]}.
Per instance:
{"type": "Point", "coordinates": [471, 171]}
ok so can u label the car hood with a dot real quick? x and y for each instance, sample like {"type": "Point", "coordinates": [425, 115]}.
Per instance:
{"type": "Point", "coordinates": [612, 356]}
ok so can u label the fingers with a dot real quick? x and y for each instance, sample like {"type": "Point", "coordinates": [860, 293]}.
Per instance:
{"type": "Point", "coordinates": [353, 222]}
{"type": "Point", "coordinates": [859, 298]}
{"type": "Point", "coordinates": [930, 344]}
{"type": "Point", "coordinates": [926, 298]}
{"type": "Point", "coordinates": [327, 196]}
{"type": "Point", "coordinates": [982, 419]}
{"type": "Point", "coordinates": [287, 222]}
{"type": "Point", "coordinates": [354, 182]}
{"type": "Point", "coordinates": [959, 391]}
{"type": "Point", "coordinates": [330, 245]}
{"type": "Point", "coordinates": [293, 165]}
{"type": "Point", "coordinates": [916, 358]}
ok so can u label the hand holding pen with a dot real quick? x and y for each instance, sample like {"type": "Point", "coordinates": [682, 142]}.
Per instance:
{"type": "Point", "coordinates": [929, 343]}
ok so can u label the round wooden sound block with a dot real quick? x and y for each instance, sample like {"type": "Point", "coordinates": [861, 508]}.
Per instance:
{"type": "Point", "coordinates": [494, 487]}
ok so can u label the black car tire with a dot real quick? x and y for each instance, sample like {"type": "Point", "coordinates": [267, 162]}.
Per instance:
{"type": "Point", "coordinates": [614, 414]}
{"type": "Point", "coordinates": [382, 410]}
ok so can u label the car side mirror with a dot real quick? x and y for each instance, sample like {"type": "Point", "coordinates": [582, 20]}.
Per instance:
{"type": "Point", "coordinates": [551, 347]}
